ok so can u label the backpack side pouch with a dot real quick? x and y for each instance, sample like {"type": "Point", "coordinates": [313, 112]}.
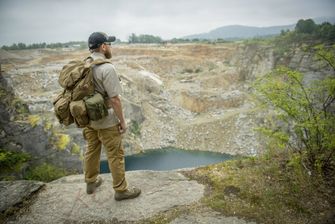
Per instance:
{"type": "Point", "coordinates": [62, 108]}
{"type": "Point", "coordinates": [79, 113]}
{"type": "Point", "coordinates": [96, 107]}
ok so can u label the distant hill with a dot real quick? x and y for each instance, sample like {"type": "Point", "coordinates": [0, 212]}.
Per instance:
{"type": "Point", "coordinates": [242, 32]}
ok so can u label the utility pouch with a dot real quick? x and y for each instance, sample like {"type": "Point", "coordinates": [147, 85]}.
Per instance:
{"type": "Point", "coordinates": [96, 107]}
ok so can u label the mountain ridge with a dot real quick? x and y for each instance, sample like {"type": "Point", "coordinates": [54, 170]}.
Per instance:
{"type": "Point", "coordinates": [239, 32]}
{"type": "Point", "coordinates": [242, 31]}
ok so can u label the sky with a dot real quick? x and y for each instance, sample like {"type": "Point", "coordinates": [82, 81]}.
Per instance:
{"type": "Point", "coordinates": [36, 21]}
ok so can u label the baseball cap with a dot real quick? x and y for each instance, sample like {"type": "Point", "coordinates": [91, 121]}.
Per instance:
{"type": "Point", "coordinates": [98, 38]}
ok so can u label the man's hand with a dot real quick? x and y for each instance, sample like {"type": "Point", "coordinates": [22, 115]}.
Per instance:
{"type": "Point", "coordinates": [115, 103]}
{"type": "Point", "coordinates": [122, 127]}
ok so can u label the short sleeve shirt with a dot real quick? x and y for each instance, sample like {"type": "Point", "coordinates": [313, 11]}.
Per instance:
{"type": "Point", "coordinates": [106, 81]}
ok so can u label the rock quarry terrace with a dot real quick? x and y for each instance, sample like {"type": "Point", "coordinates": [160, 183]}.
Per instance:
{"type": "Point", "coordinates": [189, 96]}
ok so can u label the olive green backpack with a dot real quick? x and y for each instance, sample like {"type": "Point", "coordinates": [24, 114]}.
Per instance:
{"type": "Point", "coordinates": [79, 102]}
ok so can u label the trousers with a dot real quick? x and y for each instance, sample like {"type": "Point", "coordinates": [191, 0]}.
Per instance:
{"type": "Point", "coordinates": [111, 139]}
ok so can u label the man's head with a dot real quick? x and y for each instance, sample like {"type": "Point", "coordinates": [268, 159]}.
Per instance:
{"type": "Point", "coordinates": [100, 42]}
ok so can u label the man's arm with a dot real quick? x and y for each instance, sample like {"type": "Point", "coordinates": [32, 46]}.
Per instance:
{"type": "Point", "coordinates": [115, 103]}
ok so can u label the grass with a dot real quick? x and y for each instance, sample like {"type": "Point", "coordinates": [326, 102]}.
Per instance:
{"type": "Point", "coordinates": [45, 172]}
{"type": "Point", "coordinates": [269, 189]}
{"type": "Point", "coordinates": [12, 161]}
{"type": "Point", "coordinates": [11, 164]}
{"type": "Point", "coordinates": [168, 216]}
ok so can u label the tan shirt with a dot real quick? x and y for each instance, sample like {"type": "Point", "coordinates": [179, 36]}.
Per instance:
{"type": "Point", "coordinates": [106, 81]}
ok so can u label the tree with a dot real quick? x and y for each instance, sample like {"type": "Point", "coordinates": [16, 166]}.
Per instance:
{"type": "Point", "coordinates": [144, 38]}
{"type": "Point", "coordinates": [306, 26]}
{"type": "Point", "coordinates": [306, 112]}
{"type": "Point", "coordinates": [21, 46]}
{"type": "Point", "coordinates": [133, 38]}
{"type": "Point", "coordinates": [326, 31]}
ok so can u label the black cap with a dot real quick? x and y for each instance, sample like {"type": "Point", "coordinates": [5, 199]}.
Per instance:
{"type": "Point", "coordinates": [98, 38]}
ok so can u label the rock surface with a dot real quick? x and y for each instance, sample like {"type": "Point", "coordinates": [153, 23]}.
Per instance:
{"type": "Point", "coordinates": [65, 200]}
{"type": "Point", "coordinates": [14, 192]}
{"type": "Point", "coordinates": [18, 134]}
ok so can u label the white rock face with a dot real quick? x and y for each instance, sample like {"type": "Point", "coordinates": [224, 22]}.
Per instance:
{"type": "Point", "coordinates": [151, 76]}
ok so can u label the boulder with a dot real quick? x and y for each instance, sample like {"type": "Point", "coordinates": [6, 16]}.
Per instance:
{"type": "Point", "coordinates": [13, 193]}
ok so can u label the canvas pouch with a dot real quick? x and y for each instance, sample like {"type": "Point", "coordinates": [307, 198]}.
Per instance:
{"type": "Point", "coordinates": [62, 108]}
{"type": "Point", "coordinates": [79, 113]}
{"type": "Point", "coordinates": [96, 107]}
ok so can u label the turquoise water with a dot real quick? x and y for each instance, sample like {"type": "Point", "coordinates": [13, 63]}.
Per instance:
{"type": "Point", "coordinates": [169, 159]}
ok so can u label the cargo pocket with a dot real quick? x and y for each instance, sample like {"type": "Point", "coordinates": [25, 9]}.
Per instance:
{"type": "Point", "coordinates": [79, 113]}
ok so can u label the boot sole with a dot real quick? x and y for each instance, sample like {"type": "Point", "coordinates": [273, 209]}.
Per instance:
{"type": "Point", "coordinates": [129, 197]}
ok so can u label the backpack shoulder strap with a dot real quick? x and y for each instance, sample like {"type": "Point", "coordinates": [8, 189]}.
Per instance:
{"type": "Point", "coordinates": [100, 62]}
{"type": "Point", "coordinates": [91, 62]}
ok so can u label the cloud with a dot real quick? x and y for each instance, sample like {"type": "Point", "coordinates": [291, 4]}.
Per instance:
{"type": "Point", "coordinates": [63, 20]}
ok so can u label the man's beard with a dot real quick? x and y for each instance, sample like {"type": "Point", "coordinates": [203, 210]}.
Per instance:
{"type": "Point", "coordinates": [108, 54]}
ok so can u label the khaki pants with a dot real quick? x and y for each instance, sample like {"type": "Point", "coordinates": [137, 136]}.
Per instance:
{"type": "Point", "coordinates": [112, 141]}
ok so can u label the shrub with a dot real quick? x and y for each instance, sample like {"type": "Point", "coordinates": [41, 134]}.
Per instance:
{"type": "Point", "coordinates": [306, 113]}
{"type": "Point", "coordinates": [47, 126]}
{"type": "Point", "coordinates": [3, 92]}
{"type": "Point", "coordinates": [197, 70]}
{"type": "Point", "coordinates": [75, 149]}
{"type": "Point", "coordinates": [62, 141]}
{"type": "Point", "coordinates": [187, 70]}
{"type": "Point", "coordinates": [12, 160]}
{"type": "Point", "coordinates": [33, 120]}
{"type": "Point", "coordinates": [135, 128]}
{"type": "Point", "coordinates": [45, 172]}
{"type": "Point", "coordinates": [20, 106]}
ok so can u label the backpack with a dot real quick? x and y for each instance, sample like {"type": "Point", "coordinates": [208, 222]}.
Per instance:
{"type": "Point", "coordinates": [79, 103]}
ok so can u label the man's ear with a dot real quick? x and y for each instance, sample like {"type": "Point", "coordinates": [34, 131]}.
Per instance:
{"type": "Point", "coordinates": [102, 48]}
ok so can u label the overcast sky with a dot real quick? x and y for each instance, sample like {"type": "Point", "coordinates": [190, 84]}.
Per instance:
{"type": "Point", "coordinates": [35, 21]}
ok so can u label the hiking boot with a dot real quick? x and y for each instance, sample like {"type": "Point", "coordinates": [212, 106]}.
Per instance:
{"type": "Point", "coordinates": [90, 187]}
{"type": "Point", "coordinates": [127, 194]}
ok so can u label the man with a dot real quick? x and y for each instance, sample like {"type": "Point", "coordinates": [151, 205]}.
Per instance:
{"type": "Point", "coordinates": [108, 130]}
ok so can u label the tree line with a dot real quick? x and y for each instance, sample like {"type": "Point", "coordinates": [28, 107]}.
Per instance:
{"type": "Point", "coordinates": [144, 38]}
{"type": "Point", "coordinates": [304, 30]}
{"type": "Point", "coordinates": [325, 31]}
{"type": "Point", "coordinates": [307, 30]}
{"type": "Point", "coordinates": [23, 46]}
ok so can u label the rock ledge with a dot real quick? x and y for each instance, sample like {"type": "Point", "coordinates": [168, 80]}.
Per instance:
{"type": "Point", "coordinates": [65, 200]}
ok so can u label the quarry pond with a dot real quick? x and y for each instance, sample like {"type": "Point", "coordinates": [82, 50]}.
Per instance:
{"type": "Point", "coordinates": [169, 159]}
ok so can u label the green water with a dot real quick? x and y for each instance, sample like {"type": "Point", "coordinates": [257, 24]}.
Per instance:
{"type": "Point", "coordinates": [169, 159]}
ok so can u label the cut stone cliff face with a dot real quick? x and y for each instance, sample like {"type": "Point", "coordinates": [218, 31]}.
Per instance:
{"type": "Point", "coordinates": [193, 96]}
{"type": "Point", "coordinates": [18, 134]}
